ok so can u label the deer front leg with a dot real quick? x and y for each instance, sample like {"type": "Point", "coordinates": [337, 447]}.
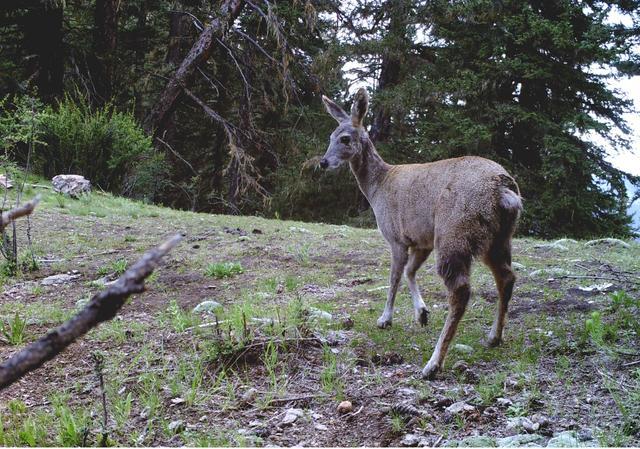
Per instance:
{"type": "Point", "coordinates": [417, 256]}
{"type": "Point", "coordinates": [398, 261]}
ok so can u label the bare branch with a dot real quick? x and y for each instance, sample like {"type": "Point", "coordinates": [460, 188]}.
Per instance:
{"type": "Point", "coordinates": [102, 307]}
{"type": "Point", "coordinates": [20, 211]}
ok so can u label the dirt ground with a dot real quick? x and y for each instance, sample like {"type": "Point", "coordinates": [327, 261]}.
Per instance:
{"type": "Point", "coordinates": [293, 335]}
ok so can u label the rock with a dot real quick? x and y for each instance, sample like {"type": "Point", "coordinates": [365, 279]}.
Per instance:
{"type": "Point", "coordinates": [459, 407]}
{"type": "Point", "coordinates": [571, 438]}
{"type": "Point", "coordinates": [207, 307]}
{"type": "Point", "coordinates": [249, 396]}
{"type": "Point", "coordinates": [176, 426]}
{"type": "Point", "coordinates": [608, 242]}
{"type": "Point", "coordinates": [522, 423]}
{"type": "Point", "coordinates": [475, 441]}
{"type": "Point", "coordinates": [244, 238]}
{"type": "Point", "coordinates": [292, 416]}
{"type": "Point", "coordinates": [466, 349]}
{"type": "Point", "coordinates": [504, 402]}
{"type": "Point", "coordinates": [72, 185]}
{"type": "Point", "coordinates": [517, 266]}
{"type": "Point", "coordinates": [461, 367]}
{"type": "Point", "coordinates": [413, 440]}
{"type": "Point", "coordinates": [549, 272]}
{"type": "Point", "coordinates": [553, 245]}
{"type": "Point", "coordinates": [565, 241]}
{"type": "Point", "coordinates": [529, 426]}
{"type": "Point", "coordinates": [585, 434]}
{"type": "Point", "coordinates": [407, 392]}
{"type": "Point", "coordinates": [58, 279]}
{"type": "Point", "coordinates": [345, 407]}
{"type": "Point", "coordinates": [604, 287]}
{"type": "Point", "coordinates": [317, 314]}
{"type": "Point", "coordinates": [80, 303]}
{"type": "Point", "coordinates": [321, 427]}
{"type": "Point", "coordinates": [521, 440]}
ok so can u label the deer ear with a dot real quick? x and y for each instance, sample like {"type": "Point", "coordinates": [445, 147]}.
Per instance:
{"type": "Point", "coordinates": [360, 106]}
{"type": "Point", "coordinates": [334, 110]}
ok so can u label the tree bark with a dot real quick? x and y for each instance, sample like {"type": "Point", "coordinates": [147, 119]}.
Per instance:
{"type": "Point", "coordinates": [198, 54]}
{"type": "Point", "coordinates": [104, 48]}
{"type": "Point", "coordinates": [43, 45]}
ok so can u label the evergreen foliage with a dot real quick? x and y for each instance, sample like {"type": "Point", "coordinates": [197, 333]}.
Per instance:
{"type": "Point", "coordinates": [522, 82]}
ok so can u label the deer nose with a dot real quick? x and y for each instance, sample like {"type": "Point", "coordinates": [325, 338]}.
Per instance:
{"type": "Point", "coordinates": [324, 163]}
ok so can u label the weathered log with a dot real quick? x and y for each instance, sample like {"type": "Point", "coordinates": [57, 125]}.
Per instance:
{"type": "Point", "coordinates": [102, 307]}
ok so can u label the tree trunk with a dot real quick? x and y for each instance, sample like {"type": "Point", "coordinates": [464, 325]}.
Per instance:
{"type": "Point", "coordinates": [42, 30]}
{"type": "Point", "coordinates": [183, 76]}
{"type": "Point", "coordinates": [104, 48]}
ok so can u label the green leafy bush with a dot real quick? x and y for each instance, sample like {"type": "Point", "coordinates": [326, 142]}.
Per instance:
{"type": "Point", "coordinates": [106, 146]}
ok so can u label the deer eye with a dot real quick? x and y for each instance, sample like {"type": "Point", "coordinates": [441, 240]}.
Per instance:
{"type": "Point", "coordinates": [345, 140]}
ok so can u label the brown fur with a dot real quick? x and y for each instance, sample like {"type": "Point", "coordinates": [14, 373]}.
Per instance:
{"type": "Point", "coordinates": [464, 208]}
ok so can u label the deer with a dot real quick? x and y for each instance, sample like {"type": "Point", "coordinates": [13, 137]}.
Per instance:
{"type": "Point", "coordinates": [465, 208]}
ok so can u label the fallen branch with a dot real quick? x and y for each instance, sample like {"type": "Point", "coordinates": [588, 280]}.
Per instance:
{"type": "Point", "coordinates": [102, 307]}
{"type": "Point", "coordinates": [20, 211]}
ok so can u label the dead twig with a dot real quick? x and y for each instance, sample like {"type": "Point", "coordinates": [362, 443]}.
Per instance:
{"type": "Point", "coordinates": [102, 307]}
{"type": "Point", "coordinates": [637, 362]}
{"type": "Point", "coordinates": [11, 215]}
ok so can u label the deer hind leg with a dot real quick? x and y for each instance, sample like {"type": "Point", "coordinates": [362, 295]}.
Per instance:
{"type": "Point", "coordinates": [499, 261]}
{"type": "Point", "coordinates": [417, 257]}
{"type": "Point", "coordinates": [398, 261]}
{"type": "Point", "coordinates": [454, 269]}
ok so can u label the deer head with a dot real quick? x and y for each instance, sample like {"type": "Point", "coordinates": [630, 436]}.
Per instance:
{"type": "Point", "coordinates": [346, 140]}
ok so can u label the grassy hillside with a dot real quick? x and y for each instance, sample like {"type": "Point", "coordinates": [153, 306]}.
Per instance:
{"type": "Point", "coordinates": [295, 335]}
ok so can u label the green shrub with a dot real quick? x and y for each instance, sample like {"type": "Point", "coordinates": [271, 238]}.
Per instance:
{"type": "Point", "coordinates": [106, 146]}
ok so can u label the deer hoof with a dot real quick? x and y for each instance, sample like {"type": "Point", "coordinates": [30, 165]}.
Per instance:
{"type": "Point", "coordinates": [384, 322]}
{"type": "Point", "coordinates": [429, 372]}
{"type": "Point", "coordinates": [493, 341]}
{"type": "Point", "coordinates": [422, 316]}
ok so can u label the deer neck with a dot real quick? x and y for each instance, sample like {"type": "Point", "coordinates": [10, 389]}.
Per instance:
{"type": "Point", "coordinates": [369, 169]}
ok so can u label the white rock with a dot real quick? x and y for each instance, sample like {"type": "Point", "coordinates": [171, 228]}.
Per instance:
{"type": "Point", "coordinates": [207, 306]}
{"type": "Point", "coordinates": [466, 349]}
{"type": "Point", "coordinates": [609, 242]}
{"type": "Point", "coordinates": [317, 314]}
{"type": "Point", "coordinates": [72, 185]}
{"type": "Point", "coordinates": [58, 279]}
{"type": "Point", "coordinates": [504, 402]}
{"type": "Point", "coordinates": [517, 266]}
{"type": "Point", "coordinates": [321, 427]}
{"type": "Point", "coordinates": [459, 407]}
{"type": "Point", "coordinates": [292, 416]}
{"type": "Point", "coordinates": [554, 245]}
{"type": "Point", "coordinates": [605, 286]}
{"type": "Point", "coordinates": [549, 272]}
{"type": "Point", "coordinates": [176, 426]}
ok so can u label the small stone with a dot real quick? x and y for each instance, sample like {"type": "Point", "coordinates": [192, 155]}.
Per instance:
{"type": "Point", "coordinates": [413, 440]}
{"type": "Point", "coordinates": [608, 242]}
{"type": "Point", "coordinates": [244, 238]}
{"type": "Point", "coordinates": [521, 440]}
{"type": "Point", "coordinates": [80, 303]}
{"type": "Point", "coordinates": [207, 307]}
{"type": "Point", "coordinates": [504, 402]}
{"type": "Point", "coordinates": [490, 412]}
{"type": "Point", "coordinates": [345, 407]}
{"type": "Point", "coordinates": [564, 439]}
{"type": "Point", "coordinates": [176, 426]}
{"type": "Point", "coordinates": [554, 245]}
{"type": "Point", "coordinates": [585, 434]}
{"type": "Point", "coordinates": [317, 314]}
{"type": "Point", "coordinates": [517, 266]}
{"type": "Point", "coordinates": [529, 426]}
{"type": "Point", "coordinates": [249, 396]}
{"type": "Point", "coordinates": [460, 366]}
{"type": "Point", "coordinates": [321, 427]}
{"type": "Point", "coordinates": [407, 392]}
{"type": "Point", "coordinates": [58, 279]}
{"type": "Point", "coordinates": [177, 401]}
{"type": "Point", "coordinates": [459, 407]}
{"type": "Point", "coordinates": [474, 441]}
{"type": "Point", "coordinates": [292, 416]}
{"type": "Point", "coordinates": [466, 349]}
